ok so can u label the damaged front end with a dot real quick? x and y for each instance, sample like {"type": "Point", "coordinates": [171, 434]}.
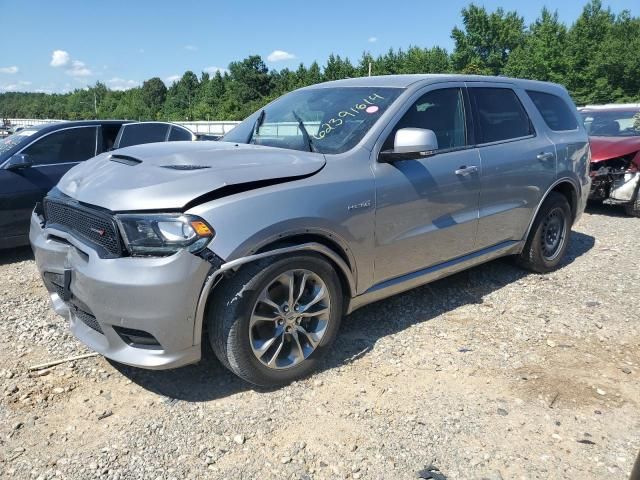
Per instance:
{"type": "Point", "coordinates": [615, 180]}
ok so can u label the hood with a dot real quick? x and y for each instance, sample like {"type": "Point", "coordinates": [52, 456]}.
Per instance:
{"type": "Point", "coordinates": [605, 148]}
{"type": "Point", "coordinates": [170, 175]}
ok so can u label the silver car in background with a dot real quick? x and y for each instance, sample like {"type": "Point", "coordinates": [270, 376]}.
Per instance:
{"type": "Point", "coordinates": [329, 198]}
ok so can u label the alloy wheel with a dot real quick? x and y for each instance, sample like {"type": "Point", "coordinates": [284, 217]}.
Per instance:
{"type": "Point", "coordinates": [289, 319]}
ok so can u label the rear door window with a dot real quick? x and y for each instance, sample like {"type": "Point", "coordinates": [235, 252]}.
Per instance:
{"type": "Point", "coordinates": [554, 110]}
{"type": "Point", "coordinates": [69, 145]}
{"type": "Point", "coordinates": [139, 133]}
{"type": "Point", "coordinates": [499, 115]}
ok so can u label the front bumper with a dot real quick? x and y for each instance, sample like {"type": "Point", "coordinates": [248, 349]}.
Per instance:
{"type": "Point", "coordinates": [157, 296]}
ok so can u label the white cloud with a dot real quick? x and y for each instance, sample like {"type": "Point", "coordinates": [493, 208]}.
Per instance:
{"type": "Point", "coordinates": [60, 58]}
{"type": "Point", "coordinates": [191, 48]}
{"type": "Point", "coordinates": [78, 69]}
{"type": "Point", "coordinates": [172, 78]}
{"type": "Point", "coordinates": [15, 87]}
{"type": "Point", "coordinates": [280, 55]}
{"type": "Point", "coordinates": [117, 83]}
{"type": "Point", "coordinates": [213, 70]}
{"type": "Point", "coordinates": [372, 39]}
{"type": "Point", "coordinates": [11, 70]}
{"type": "Point", "coordinates": [75, 68]}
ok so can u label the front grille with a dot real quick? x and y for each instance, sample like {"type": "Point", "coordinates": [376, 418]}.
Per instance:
{"type": "Point", "coordinates": [87, 224]}
{"type": "Point", "coordinates": [88, 319]}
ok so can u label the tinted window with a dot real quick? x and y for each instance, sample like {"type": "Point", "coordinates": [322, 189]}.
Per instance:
{"type": "Point", "coordinates": [499, 115]}
{"type": "Point", "coordinates": [554, 110]}
{"type": "Point", "coordinates": [72, 145]}
{"type": "Point", "coordinates": [138, 133]}
{"type": "Point", "coordinates": [439, 110]}
{"type": "Point", "coordinates": [178, 134]}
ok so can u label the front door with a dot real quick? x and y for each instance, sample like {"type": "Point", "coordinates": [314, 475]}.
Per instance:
{"type": "Point", "coordinates": [427, 207]}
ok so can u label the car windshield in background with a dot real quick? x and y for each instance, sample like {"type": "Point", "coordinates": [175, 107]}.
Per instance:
{"type": "Point", "coordinates": [16, 139]}
{"type": "Point", "coordinates": [612, 123]}
{"type": "Point", "coordinates": [335, 119]}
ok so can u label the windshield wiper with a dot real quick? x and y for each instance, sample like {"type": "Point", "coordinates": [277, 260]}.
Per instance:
{"type": "Point", "coordinates": [256, 126]}
{"type": "Point", "coordinates": [304, 131]}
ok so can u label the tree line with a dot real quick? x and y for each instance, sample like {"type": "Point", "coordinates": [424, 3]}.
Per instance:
{"type": "Point", "coordinates": [596, 58]}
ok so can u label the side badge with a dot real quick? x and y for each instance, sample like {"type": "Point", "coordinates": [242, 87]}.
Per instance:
{"type": "Point", "coordinates": [357, 206]}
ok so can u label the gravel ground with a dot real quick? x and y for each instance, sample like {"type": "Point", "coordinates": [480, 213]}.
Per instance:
{"type": "Point", "coordinates": [490, 374]}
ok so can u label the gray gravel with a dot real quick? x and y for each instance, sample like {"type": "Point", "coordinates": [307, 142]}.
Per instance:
{"type": "Point", "coordinates": [490, 374]}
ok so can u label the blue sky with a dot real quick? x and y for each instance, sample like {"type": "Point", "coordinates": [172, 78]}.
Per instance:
{"type": "Point", "coordinates": [122, 43]}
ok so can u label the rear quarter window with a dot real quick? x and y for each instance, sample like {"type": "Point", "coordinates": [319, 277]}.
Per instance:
{"type": "Point", "coordinates": [554, 110]}
{"type": "Point", "coordinates": [179, 133]}
{"type": "Point", "coordinates": [499, 115]}
{"type": "Point", "coordinates": [140, 133]}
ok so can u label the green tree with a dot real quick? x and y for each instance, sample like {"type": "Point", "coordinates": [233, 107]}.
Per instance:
{"type": "Point", "coordinates": [543, 54]}
{"type": "Point", "coordinates": [486, 41]}
{"type": "Point", "coordinates": [154, 94]}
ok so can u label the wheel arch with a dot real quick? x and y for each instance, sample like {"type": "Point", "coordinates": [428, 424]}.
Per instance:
{"type": "Point", "coordinates": [566, 187]}
{"type": "Point", "coordinates": [329, 247]}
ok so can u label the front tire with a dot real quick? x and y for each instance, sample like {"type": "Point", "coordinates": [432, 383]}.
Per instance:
{"type": "Point", "coordinates": [274, 319]}
{"type": "Point", "coordinates": [549, 236]}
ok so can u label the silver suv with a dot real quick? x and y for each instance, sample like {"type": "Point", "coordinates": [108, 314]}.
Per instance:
{"type": "Point", "coordinates": [329, 198]}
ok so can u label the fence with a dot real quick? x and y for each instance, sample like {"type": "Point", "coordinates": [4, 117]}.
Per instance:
{"type": "Point", "coordinates": [213, 128]}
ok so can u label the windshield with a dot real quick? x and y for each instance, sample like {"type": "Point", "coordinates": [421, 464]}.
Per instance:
{"type": "Point", "coordinates": [612, 123]}
{"type": "Point", "coordinates": [16, 139]}
{"type": "Point", "coordinates": [335, 119]}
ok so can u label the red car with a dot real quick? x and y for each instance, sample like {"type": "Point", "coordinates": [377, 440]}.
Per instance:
{"type": "Point", "coordinates": [614, 134]}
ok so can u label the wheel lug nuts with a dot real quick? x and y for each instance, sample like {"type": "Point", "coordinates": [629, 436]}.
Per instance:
{"type": "Point", "coordinates": [297, 308]}
{"type": "Point", "coordinates": [286, 308]}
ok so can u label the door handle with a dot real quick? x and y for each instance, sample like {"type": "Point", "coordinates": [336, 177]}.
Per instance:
{"type": "Point", "coordinates": [466, 170]}
{"type": "Point", "coordinates": [544, 156]}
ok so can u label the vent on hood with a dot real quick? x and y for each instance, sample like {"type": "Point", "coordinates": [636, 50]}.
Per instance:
{"type": "Point", "coordinates": [185, 167]}
{"type": "Point", "coordinates": [126, 159]}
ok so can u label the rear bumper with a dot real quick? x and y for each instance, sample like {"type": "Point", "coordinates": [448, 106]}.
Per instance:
{"type": "Point", "coordinates": [157, 296]}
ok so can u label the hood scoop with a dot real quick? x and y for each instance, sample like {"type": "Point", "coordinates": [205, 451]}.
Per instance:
{"type": "Point", "coordinates": [185, 167]}
{"type": "Point", "coordinates": [125, 159]}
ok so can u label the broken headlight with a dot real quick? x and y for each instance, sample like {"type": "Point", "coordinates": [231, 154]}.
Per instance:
{"type": "Point", "coordinates": [163, 234]}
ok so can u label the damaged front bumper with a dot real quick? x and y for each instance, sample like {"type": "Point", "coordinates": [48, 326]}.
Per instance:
{"type": "Point", "coordinates": [624, 187]}
{"type": "Point", "coordinates": [136, 311]}
{"type": "Point", "coordinates": [614, 181]}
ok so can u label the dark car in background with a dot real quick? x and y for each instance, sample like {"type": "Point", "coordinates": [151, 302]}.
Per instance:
{"type": "Point", "coordinates": [614, 135]}
{"type": "Point", "coordinates": [33, 160]}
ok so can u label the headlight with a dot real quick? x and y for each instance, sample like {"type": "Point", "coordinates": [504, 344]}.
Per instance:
{"type": "Point", "coordinates": [163, 234]}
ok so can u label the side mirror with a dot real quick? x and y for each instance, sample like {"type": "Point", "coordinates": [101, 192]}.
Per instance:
{"type": "Point", "coordinates": [410, 143]}
{"type": "Point", "coordinates": [415, 140]}
{"type": "Point", "coordinates": [18, 162]}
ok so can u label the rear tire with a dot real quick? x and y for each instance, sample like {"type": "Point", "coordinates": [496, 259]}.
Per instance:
{"type": "Point", "coordinates": [549, 236]}
{"type": "Point", "coordinates": [256, 330]}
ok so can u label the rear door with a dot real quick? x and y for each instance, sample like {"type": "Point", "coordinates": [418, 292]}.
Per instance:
{"type": "Point", "coordinates": [52, 154]}
{"type": "Point", "coordinates": [518, 162]}
{"type": "Point", "coordinates": [427, 207]}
